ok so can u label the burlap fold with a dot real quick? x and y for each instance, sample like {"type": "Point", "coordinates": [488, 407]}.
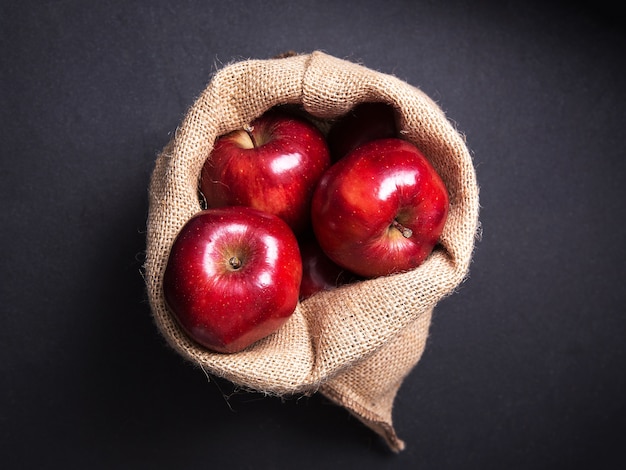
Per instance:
{"type": "Point", "coordinates": [355, 344]}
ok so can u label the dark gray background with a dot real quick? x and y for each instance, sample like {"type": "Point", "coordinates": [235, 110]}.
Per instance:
{"type": "Point", "coordinates": [524, 367]}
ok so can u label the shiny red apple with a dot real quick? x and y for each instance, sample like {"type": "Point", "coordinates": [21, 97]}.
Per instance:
{"type": "Point", "coordinates": [365, 122]}
{"type": "Point", "coordinates": [380, 209]}
{"type": "Point", "coordinates": [232, 277]}
{"type": "Point", "coordinates": [319, 272]}
{"type": "Point", "coordinates": [272, 165]}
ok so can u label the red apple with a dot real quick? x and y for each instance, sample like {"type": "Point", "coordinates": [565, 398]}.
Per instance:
{"type": "Point", "coordinates": [365, 122]}
{"type": "Point", "coordinates": [272, 165]}
{"type": "Point", "coordinates": [319, 272]}
{"type": "Point", "coordinates": [380, 209]}
{"type": "Point", "coordinates": [232, 277]}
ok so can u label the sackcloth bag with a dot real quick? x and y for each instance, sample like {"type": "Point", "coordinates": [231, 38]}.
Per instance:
{"type": "Point", "coordinates": [355, 344]}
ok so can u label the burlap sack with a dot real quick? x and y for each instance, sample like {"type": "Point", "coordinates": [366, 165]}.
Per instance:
{"type": "Point", "coordinates": [355, 344]}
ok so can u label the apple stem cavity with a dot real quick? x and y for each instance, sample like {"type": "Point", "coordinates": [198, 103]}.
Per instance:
{"type": "Point", "coordinates": [249, 130]}
{"type": "Point", "coordinates": [405, 231]}
{"type": "Point", "coordinates": [235, 263]}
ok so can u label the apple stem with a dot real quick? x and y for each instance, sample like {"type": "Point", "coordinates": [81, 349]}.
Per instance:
{"type": "Point", "coordinates": [248, 128]}
{"type": "Point", "coordinates": [235, 262]}
{"type": "Point", "coordinates": [405, 231]}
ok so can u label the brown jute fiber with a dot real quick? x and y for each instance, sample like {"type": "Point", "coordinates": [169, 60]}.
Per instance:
{"type": "Point", "coordinates": [355, 344]}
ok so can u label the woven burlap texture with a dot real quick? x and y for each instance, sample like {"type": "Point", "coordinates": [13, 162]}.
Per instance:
{"type": "Point", "coordinates": [355, 344]}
